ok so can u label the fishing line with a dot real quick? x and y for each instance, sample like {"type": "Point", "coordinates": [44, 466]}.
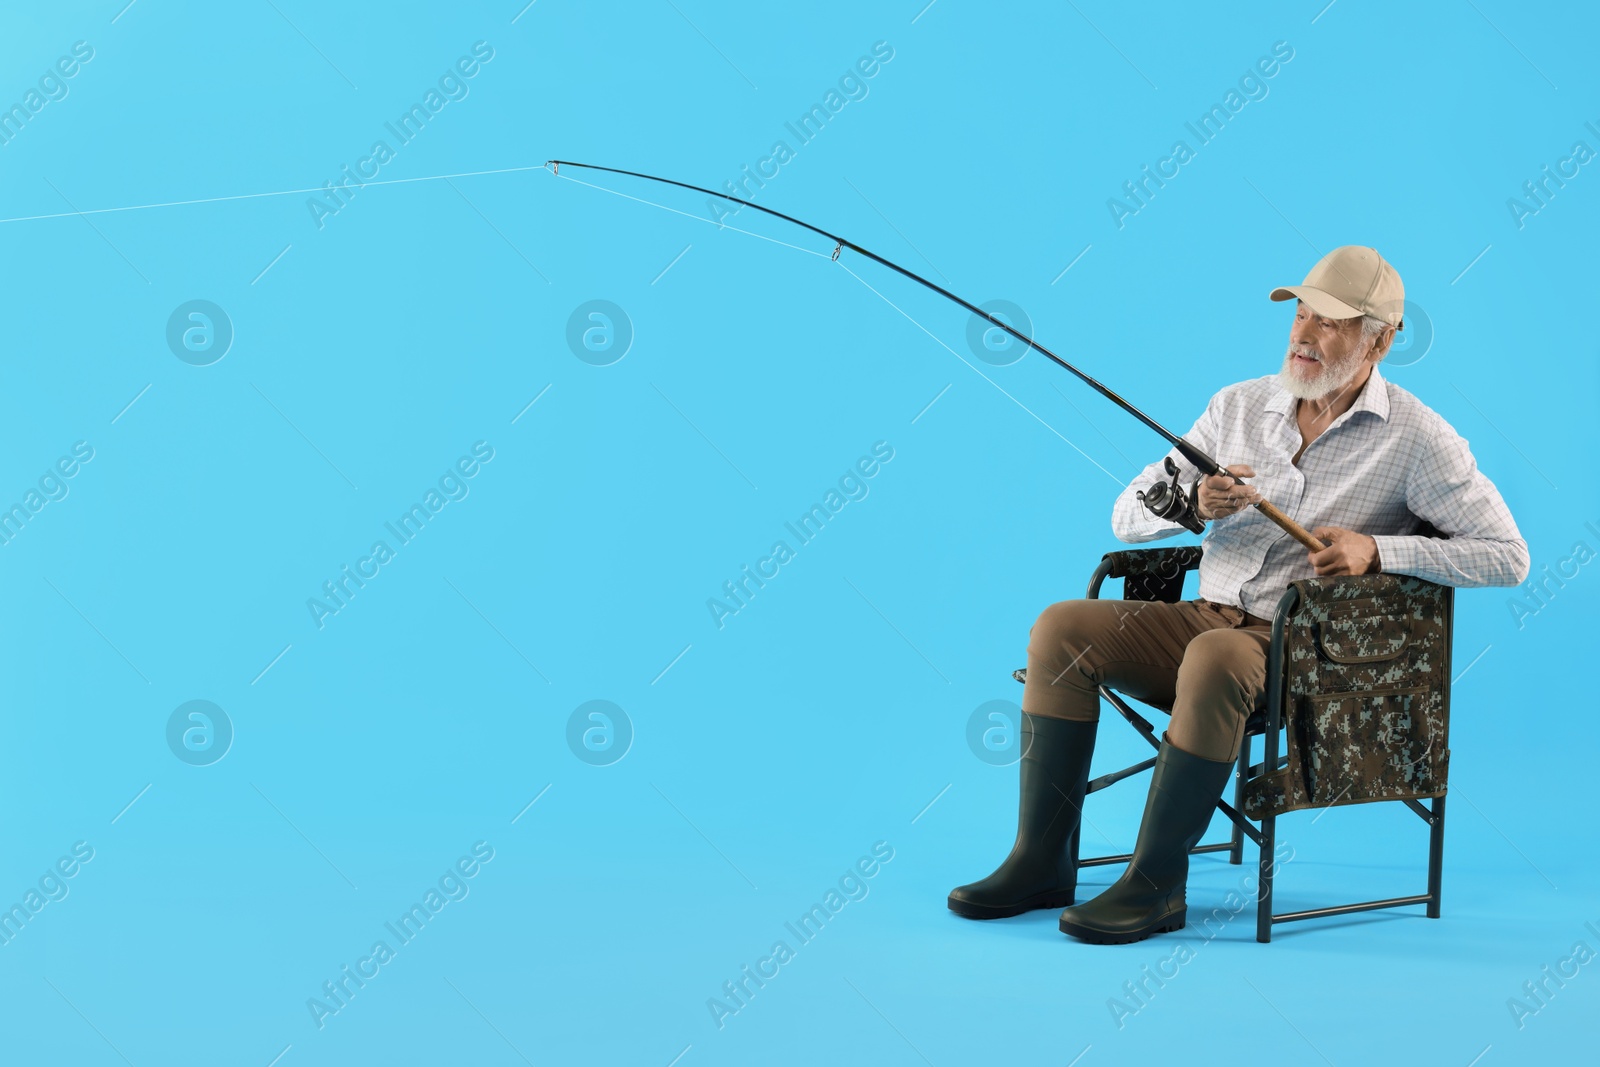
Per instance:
{"type": "Point", "coordinates": [976, 371]}
{"type": "Point", "coordinates": [257, 196]}
{"type": "Point", "coordinates": [697, 218]}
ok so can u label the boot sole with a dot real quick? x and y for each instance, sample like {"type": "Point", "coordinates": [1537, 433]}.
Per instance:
{"type": "Point", "coordinates": [1175, 921]}
{"type": "Point", "coordinates": [969, 910]}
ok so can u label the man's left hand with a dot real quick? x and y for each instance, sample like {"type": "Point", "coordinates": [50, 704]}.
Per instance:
{"type": "Point", "coordinates": [1348, 552]}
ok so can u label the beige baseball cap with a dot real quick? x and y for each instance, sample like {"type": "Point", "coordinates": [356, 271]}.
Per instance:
{"type": "Point", "coordinates": [1351, 281]}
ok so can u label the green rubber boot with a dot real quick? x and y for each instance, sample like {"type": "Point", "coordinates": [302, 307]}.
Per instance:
{"type": "Point", "coordinates": [1149, 897]}
{"type": "Point", "coordinates": [1042, 869]}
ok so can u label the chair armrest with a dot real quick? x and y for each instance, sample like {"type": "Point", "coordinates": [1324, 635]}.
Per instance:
{"type": "Point", "coordinates": [1340, 587]}
{"type": "Point", "coordinates": [1147, 573]}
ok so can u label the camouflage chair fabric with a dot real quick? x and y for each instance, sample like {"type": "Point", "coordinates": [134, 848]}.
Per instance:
{"type": "Point", "coordinates": [1365, 699]}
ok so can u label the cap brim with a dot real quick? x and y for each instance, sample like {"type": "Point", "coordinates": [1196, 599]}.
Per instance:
{"type": "Point", "coordinates": [1327, 306]}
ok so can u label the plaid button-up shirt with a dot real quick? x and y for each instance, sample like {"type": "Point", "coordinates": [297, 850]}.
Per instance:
{"type": "Point", "coordinates": [1382, 467]}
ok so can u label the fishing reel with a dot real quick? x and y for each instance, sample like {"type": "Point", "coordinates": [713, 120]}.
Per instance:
{"type": "Point", "coordinates": [1170, 502]}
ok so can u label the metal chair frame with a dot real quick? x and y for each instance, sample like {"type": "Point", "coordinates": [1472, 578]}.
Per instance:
{"type": "Point", "coordinates": [1269, 724]}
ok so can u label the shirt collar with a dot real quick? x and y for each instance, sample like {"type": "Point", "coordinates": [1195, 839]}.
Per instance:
{"type": "Point", "coordinates": [1374, 398]}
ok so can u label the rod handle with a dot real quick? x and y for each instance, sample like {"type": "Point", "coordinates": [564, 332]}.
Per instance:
{"type": "Point", "coordinates": [1294, 529]}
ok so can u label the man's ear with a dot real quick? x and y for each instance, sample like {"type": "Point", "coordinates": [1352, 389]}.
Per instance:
{"type": "Point", "coordinates": [1381, 345]}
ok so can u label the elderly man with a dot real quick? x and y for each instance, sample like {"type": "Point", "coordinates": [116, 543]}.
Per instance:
{"type": "Point", "coordinates": [1356, 459]}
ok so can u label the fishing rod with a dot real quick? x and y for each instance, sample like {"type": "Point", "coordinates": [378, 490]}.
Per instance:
{"type": "Point", "coordinates": [1166, 501]}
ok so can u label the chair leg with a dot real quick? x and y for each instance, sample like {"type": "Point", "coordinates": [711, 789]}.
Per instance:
{"type": "Point", "coordinates": [1264, 897]}
{"type": "Point", "coordinates": [1435, 857]}
{"type": "Point", "coordinates": [1236, 853]}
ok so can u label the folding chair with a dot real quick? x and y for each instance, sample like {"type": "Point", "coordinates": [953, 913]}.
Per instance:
{"type": "Point", "coordinates": [1356, 710]}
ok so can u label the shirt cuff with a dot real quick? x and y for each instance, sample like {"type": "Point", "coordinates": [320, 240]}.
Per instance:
{"type": "Point", "coordinates": [1396, 552]}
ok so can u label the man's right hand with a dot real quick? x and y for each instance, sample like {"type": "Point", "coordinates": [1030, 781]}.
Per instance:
{"type": "Point", "coordinates": [1219, 496]}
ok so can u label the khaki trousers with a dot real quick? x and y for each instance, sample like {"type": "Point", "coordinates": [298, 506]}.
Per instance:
{"type": "Point", "coordinates": [1203, 663]}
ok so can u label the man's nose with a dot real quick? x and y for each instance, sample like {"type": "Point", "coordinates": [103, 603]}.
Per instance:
{"type": "Point", "coordinates": [1301, 333]}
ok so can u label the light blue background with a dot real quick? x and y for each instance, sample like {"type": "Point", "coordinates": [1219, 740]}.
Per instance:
{"type": "Point", "coordinates": [768, 755]}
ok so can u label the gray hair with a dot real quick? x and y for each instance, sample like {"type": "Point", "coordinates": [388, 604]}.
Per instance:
{"type": "Point", "coordinates": [1371, 327]}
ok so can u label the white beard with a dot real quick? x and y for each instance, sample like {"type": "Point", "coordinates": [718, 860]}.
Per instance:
{"type": "Point", "coordinates": [1329, 379]}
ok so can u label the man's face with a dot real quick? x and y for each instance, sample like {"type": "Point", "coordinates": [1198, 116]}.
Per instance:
{"type": "Point", "coordinates": [1323, 355]}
